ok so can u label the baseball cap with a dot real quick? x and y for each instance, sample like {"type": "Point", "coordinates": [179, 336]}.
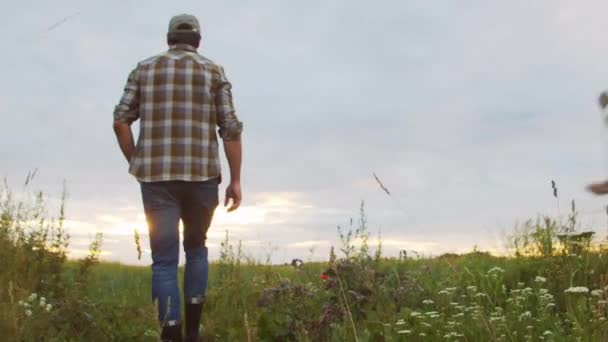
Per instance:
{"type": "Point", "coordinates": [182, 19]}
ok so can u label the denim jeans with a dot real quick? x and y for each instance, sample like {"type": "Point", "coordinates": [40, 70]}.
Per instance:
{"type": "Point", "coordinates": [165, 203]}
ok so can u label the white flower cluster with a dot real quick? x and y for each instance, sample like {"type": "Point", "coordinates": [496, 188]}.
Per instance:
{"type": "Point", "coordinates": [496, 270]}
{"type": "Point", "coordinates": [577, 289]}
{"type": "Point", "coordinates": [30, 304]}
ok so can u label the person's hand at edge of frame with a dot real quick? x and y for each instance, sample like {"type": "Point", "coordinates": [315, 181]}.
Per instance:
{"type": "Point", "coordinates": [233, 192]}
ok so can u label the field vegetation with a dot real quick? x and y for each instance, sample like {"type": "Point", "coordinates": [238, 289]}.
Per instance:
{"type": "Point", "coordinates": [554, 287]}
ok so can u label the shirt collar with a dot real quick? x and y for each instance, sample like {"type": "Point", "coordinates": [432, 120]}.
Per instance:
{"type": "Point", "coordinates": [186, 47]}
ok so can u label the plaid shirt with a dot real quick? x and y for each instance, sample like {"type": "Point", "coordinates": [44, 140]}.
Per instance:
{"type": "Point", "coordinates": [180, 97]}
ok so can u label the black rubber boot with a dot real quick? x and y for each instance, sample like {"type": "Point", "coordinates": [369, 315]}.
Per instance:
{"type": "Point", "coordinates": [172, 333]}
{"type": "Point", "coordinates": [193, 320]}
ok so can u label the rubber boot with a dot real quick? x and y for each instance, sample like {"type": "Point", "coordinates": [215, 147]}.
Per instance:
{"type": "Point", "coordinates": [172, 333]}
{"type": "Point", "coordinates": [193, 321]}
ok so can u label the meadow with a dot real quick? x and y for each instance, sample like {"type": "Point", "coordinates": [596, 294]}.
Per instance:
{"type": "Point", "coordinates": [554, 287]}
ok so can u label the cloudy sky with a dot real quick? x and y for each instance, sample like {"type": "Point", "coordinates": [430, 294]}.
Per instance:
{"type": "Point", "coordinates": [466, 110]}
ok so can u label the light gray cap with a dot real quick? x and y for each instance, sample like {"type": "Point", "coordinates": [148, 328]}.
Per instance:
{"type": "Point", "coordinates": [181, 19]}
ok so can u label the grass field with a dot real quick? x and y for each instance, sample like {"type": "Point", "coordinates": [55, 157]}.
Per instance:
{"type": "Point", "coordinates": [553, 288]}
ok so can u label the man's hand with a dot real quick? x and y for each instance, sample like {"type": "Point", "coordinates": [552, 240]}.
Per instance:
{"type": "Point", "coordinates": [233, 191]}
{"type": "Point", "coordinates": [598, 188]}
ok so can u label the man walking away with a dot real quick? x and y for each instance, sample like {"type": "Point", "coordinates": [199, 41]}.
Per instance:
{"type": "Point", "coordinates": [180, 97]}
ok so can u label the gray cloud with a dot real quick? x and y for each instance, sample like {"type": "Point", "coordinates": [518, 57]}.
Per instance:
{"type": "Point", "coordinates": [465, 111]}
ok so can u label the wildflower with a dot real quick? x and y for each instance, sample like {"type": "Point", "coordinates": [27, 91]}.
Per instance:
{"type": "Point", "coordinates": [415, 314]}
{"type": "Point", "coordinates": [496, 270]}
{"type": "Point", "coordinates": [525, 315]}
{"type": "Point", "coordinates": [406, 332]}
{"type": "Point", "coordinates": [28, 313]}
{"type": "Point", "coordinates": [472, 288]}
{"type": "Point", "coordinates": [324, 277]}
{"type": "Point", "coordinates": [540, 279]}
{"type": "Point", "coordinates": [427, 301]}
{"type": "Point", "coordinates": [400, 322]}
{"type": "Point", "coordinates": [21, 303]}
{"type": "Point", "coordinates": [32, 297]}
{"type": "Point", "coordinates": [577, 289]}
{"type": "Point", "coordinates": [49, 307]}
{"type": "Point", "coordinates": [597, 293]}
{"type": "Point", "coordinates": [443, 292]}
{"type": "Point", "coordinates": [480, 294]}
{"type": "Point", "coordinates": [422, 334]}
{"type": "Point", "coordinates": [547, 333]}
{"type": "Point", "coordinates": [426, 324]}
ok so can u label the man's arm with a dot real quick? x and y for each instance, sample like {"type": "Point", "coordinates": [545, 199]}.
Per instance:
{"type": "Point", "coordinates": [233, 150]}
{"type": "Point", "coordinates": [125, 113]}
{"type": "Point", "coordinates": [125, 138]}
{"type": "Point", "coordinates": [230, 132]}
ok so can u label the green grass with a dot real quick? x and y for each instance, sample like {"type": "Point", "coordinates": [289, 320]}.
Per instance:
{"type": "Point", "coordinates": [551, 289]}
{"type": "Point", "coordinates": [478, 296]}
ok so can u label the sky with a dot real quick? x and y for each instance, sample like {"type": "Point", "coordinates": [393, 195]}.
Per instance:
{"type": "Point", "coordinates": [465, 110]}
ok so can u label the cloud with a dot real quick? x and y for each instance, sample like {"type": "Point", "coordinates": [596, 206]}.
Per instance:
{"type": "Point", "coordinates": [465, 111]}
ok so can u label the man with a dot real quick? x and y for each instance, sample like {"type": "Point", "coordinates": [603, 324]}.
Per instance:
{"type": "Point", "coordinates": [601, 188]}
{"type": "Point", "coordinates": [180, 97]}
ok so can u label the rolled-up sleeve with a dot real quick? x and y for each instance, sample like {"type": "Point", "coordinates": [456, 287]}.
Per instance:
{"type": "Point", "coordinates": [230, 128]}
{"type": "Point", "coordinates": [127, 109]}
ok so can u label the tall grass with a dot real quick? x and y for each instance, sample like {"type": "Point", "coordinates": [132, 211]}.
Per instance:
{"type": "Point", "coordinates": [553, 288]}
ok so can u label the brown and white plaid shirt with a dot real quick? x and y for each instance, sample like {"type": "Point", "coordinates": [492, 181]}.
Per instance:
{"type": "Point", "coordinates": [180, 97]}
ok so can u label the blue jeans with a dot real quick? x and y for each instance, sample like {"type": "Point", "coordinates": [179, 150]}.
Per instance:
{"type": "Point", "coordinates": [165, 203]}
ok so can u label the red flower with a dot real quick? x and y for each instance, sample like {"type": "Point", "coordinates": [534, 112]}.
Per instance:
{"type": "Point", "coordinates": [324, 277]}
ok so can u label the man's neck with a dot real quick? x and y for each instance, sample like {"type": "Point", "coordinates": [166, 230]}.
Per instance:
{"type": "Point", "coordinates": [182, 46]}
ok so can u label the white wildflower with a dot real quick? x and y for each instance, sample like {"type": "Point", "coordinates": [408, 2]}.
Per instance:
{"type": "Point", "coordinates": [400, 322]}
{"type": "Point", "coordinates": [427, 301]}
{"type": "Point", "coordinates": [32, 297]}
{"type": "Point", "coordinates": [49, 307]}
{"type": "Point", "coordinates": [406, 332]}
{"type": "Point", "coordinates": [496, 270]}
{"type": "Point", "coordinates": [28, 313]}
{"type": "Point", "coordinates": [597, 293]}
{"type": "Point", "coordinates": [540, 279]}
{"type": "Point", "coordinates": [547, 332]}
{"type": "Point", "coordinates": [415, 314]}
{"type": "Point", "coordinates": [525, 315]}
{"type": "Point", "coordinates": [577, 289]}
{"type": "Point", "coordinates": [21, 303]}
{"type": "Point", "coordinates": [443, 292]}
